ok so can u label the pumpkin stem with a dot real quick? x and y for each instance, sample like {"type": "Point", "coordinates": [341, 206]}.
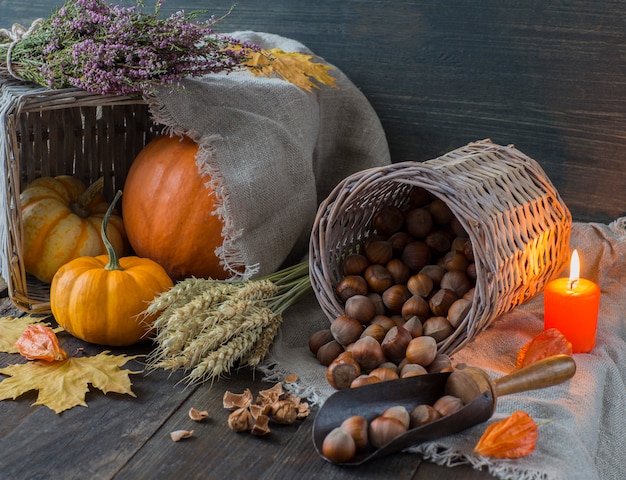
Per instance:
{"type": "Point", "coordinates": [81, 206]}
{"type": "Point", "coordinates": [114, 263]}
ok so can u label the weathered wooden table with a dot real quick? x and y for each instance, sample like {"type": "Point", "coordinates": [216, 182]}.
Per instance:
{"type": "Point", "coordinates": [439, 74]}
{"type": "Point", "coordinates": [121, 437]}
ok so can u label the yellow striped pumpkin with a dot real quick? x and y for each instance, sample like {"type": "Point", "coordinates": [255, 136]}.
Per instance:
{"type": "Point", "coordinates": [61, 221]}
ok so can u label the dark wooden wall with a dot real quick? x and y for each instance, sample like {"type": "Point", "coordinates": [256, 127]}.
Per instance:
{"type": "Point", "coordinates": [549, 77]}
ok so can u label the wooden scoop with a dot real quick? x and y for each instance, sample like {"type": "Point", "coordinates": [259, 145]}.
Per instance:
{"type": "Point", "coordinates": [472, 385]}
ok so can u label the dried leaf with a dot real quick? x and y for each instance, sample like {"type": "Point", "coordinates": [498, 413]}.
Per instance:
{"type": "Point", "coordinates": [63, 385]}
{"type": "Point", "coordinates": [546, 344]}
{"type": "Point", "coordinates": [12, 328]}
{"type": "Point", "coordinates": [39, 342]}
{"type": "Point", "coordinates": [294, 67]}
{"type": "Point", "coordinates": [513, 437]}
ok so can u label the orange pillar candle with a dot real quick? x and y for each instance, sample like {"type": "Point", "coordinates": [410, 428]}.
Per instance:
{"type": "Point", "coordinates": [571, 306]}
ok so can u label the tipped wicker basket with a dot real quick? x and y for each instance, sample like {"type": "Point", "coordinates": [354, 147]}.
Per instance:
{"type": "Point", "coordinates": [516, 220]}
{"type": "Point", "coordinates": [59, 132]}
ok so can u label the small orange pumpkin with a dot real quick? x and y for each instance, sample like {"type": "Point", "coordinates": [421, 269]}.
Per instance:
{"type": "Point", "coordinates": [101, 299]}
{"type": "Point", "coordinates": [61, 221]}
{"type": "Point", "coordinates": [169, 210]}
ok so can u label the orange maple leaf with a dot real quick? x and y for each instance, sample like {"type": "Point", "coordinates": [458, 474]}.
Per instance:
{"type": "Point", "coordinates": [294, 67]}
{"type": "Point", "coordinates": [63, 384]}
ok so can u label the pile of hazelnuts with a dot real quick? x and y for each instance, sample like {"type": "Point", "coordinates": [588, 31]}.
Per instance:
{"type": "Point", "coordinates": [404, 291]}
{"type": "Point", "coordinates": [356, 434]}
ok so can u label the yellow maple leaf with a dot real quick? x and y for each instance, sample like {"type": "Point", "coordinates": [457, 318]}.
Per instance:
{"type": "Point", "coordinates": [293, 67]}
{"type": "Point", "coordinates": [12, 328]}
{"type": "Point", "coordinates": [63, 385]}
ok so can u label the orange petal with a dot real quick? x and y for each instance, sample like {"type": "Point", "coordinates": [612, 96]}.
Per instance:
{"type": "Point", "coordinates": [39, 342]}
{"type": "Point", "coordinates": [513, 437]}
{"type": "Point", "coordinates": [546, 344]}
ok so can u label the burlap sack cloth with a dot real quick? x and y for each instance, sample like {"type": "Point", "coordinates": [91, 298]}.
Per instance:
{"type": "Point", "coordinates": [582, 422]}
{"type": "Point", "coordinates": [272, 151]}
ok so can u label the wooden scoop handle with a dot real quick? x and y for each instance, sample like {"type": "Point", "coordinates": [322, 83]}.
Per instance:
{"type": "Point", "coordinates": [544, 373]}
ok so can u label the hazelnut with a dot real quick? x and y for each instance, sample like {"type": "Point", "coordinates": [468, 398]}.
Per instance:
{"type": "Point", "coordinates": [364, 379]}
{"type": "Point", "coordinates": [398, 241]}
{"type": "Point", "coordinates": [388, 220]}
{"type": "Point", "coordinates": [360, 307]}
{"type": "Point", "coordinates": [390, 365]}
{"type": "Point", "coordinates": [379, 252]}
{"type": "Point", "coordinates": [400, 413]}
{"type": "Point", "coordinates": [384, 321]}
{"type": "Point", "coordinates": [378, 278]}
{"type": "Point", "coordinates": [418, 222]}
{"type": "Point", "coordinates": [416, 255]}
{"type": "Point", "coordinates": [346, 329]}
{"type": "Point", "coordinates": [377, 300]}
{"type": "Point", "coordinates": [458, 311]}
{"type": "Point", "coordinates": [355, 264]}
{"type": "Point", "coordinates": [414, 326]}
{"type": "Point", "coordinates": [421, 350]}
{"type": "Point", "coordinates": [456, 281]}
{"type": "Point", "coordinates": [455, 260]}
{"type": "Point", "coordinates": [350, 285]}
{"type": "Point", "coordinates": [338, 446]}
{"type": "Point", "coordinates": [419, 196]}
{"type": "Point", "coordinates": [438, 327]}
{"type": "Point", "coordinates": [438, 241]}
{"type": "Point", "coordinates": [319, 338]}
{"type": "Point", "coordinates": [342, 371]}
{"type": "Point", "coordinates": [415, 306]}
{"type": "Point", "coordinates": [440, 302]}
{"type": "Point", "coordinates": [395, 343]}
{"type": "Point", "coordinates": [423, 414]}
{"type": "Point", "coordinates": [420, 284]}
{"type": "Point", "coordinates": [356, 426]}
{"type": "Point", "coordinates": [441, 363]}
{"type": "Point", "coordinates": [447, 405]}
{"type": "Point", "coordinates": [328, 352]}
{"type": "Point", "coordinates": [395, 297]}
{"type": "Point", "coordinates": [383, 430]}
{"type": "Point", "coordinates": [458, 244]}
{"type": "Point", "coordinates": [440, 212]}
{"type": "Point", "coordinates": [368, 353]}
{"type": "Point", "coordinates": [385, 373]}
{"type": "Point", "coordinates": [400, 272]}
{"type": "Point", "coordinates": [376, 331]}
{"type": "Point", "coordinates": [435, 272]}
{"type": "Point", "coordinates": [412, 370]}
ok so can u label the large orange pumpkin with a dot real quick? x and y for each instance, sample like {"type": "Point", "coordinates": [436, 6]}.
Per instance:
{"type": "Point", "coordinates": [169, 210]}
{"type": "Point", "coordinates": [61, 221]}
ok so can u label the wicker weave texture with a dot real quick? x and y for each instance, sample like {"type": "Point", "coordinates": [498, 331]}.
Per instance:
{"type": "Point", "coordinates": [59, 132]}
{"type": "Point", "coordinates": [517, 222]}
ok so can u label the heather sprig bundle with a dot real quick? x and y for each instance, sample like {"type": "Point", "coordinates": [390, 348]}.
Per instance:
{"type": "Point", "coordinates": [205, 327]}
{"type": "Point", "coordinates": [110, 49]}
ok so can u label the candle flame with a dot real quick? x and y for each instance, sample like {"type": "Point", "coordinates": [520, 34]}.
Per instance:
{"type": "Point", "coordinates": [574, 268]}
